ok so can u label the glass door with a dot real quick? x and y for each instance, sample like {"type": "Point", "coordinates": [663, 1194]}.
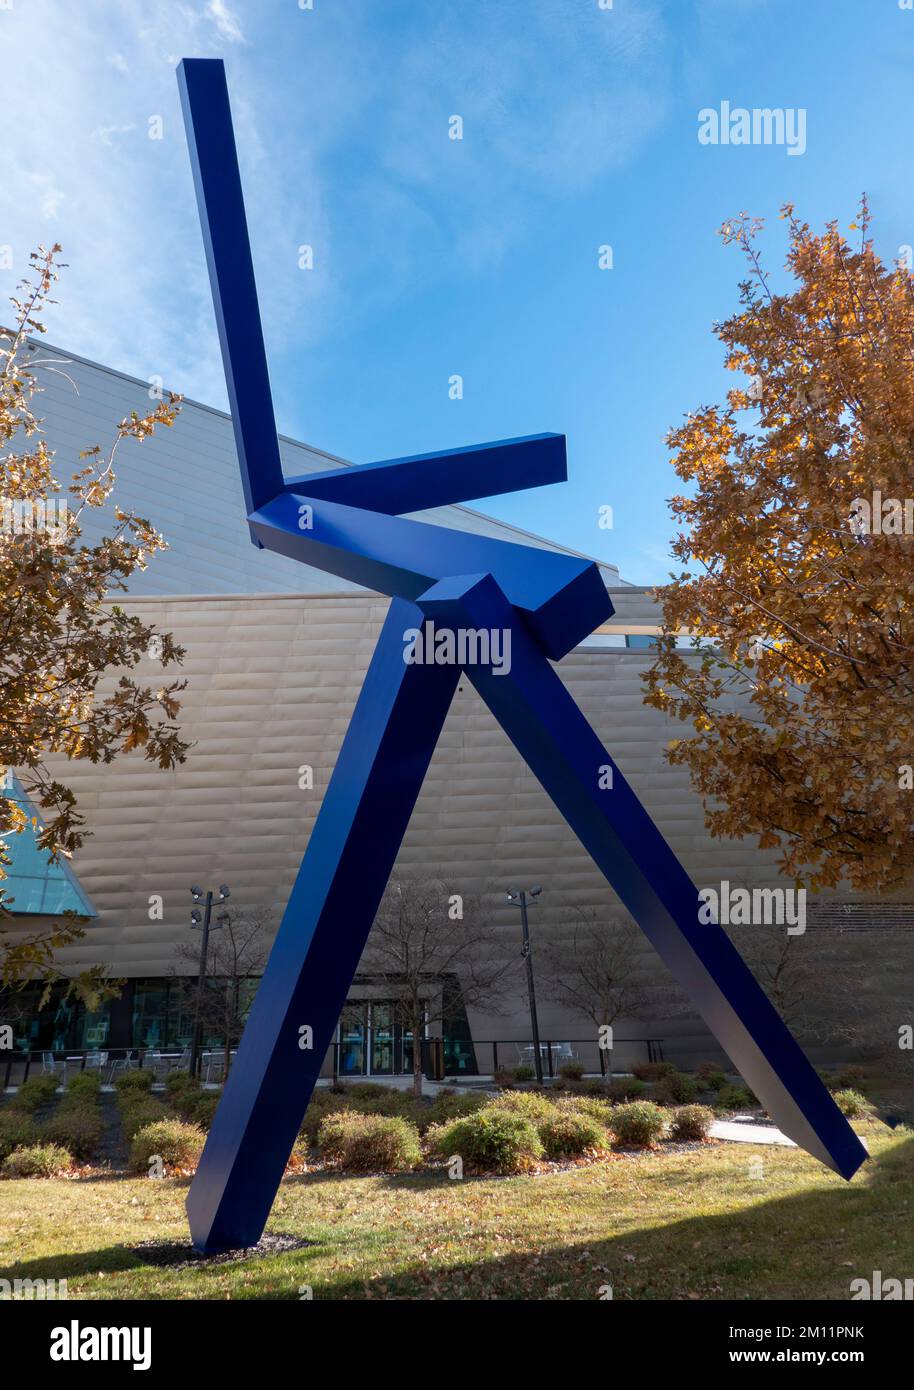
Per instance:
{"type": "Point", "coordinates": [382, 1040]}
{"type": "Point", "coordinates": [353, 1032]}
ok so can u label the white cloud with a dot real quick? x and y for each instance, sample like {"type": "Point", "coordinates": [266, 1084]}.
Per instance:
{"type": "Point", "coordinates": [553, 97]}
{"type": "Point", "coordinates": [83, 171]}
{"type": "Point", "coordinates": [225, 21]}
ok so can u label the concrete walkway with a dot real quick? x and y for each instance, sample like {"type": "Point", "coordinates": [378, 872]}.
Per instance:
{"type": "Point", "coordinates": [745, 1132]}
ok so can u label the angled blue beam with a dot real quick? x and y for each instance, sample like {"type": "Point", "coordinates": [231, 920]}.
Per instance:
{"type": "Point", "coordinates": [217, 182]}
{"type": "Point", "coordinates": [361, 822]}
{"type": "Point", "coordinates": [563, 597]}
{"type": "Point", "coordinates": [420, 481]}
{"type": "Point", "coordinates": [553, 737]}
{"type": "Point", "coordinates": [547, 602]}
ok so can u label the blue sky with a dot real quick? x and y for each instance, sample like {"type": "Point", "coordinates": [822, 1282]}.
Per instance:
{"type": "Point", "coordinates": [435, 257]}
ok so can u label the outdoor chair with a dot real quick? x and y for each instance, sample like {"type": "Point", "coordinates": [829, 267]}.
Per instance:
{"type": "Point", "coordinates": [51, 1067]}
{"type": "Point", "coordinates": [129, 1062]}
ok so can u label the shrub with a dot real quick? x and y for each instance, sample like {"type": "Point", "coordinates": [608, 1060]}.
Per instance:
{"type": "Point", "coordinates": [592, 1086]}
{"type": "Point", "coordinates": [711, 1076]}
{"type": "Point", "coordinates": [652, 1071]}
{"type": "Point", "coordinates": [514, 1076]}
{"type": "Point", "coordinates": [407, 1106]}
{"type": "Point", "coordinates": [599, 1110]}
{"type": "Point", "coordinates": [625, 1088]}
{"type": "Point", "coordinates": [692, 1122]}
{"type": "Point", "coordinates": [369, 1143]}
{"type": "Point", "coordinates": [491, 1140]}
{"type": "Point", "coordinates": [852, 1103]}
{"type": "Point", "coordinates": [139, 1112]}
{"type": "Point", "coordinates": [450, 1105]}
{"type": "Point", "coordinates": [735, 1098]}
{"type": "Point", "coordinates": [192, 1103]}
{"type": "Point", "coordinates": [35, 1092]}
{"type": "Point", "coordinates": [570, 1133]}
{"type": "Point", "coordinates": [323, 1103]}
{"type": "Point", "coordinates": [201, 1110]}
{"type": "Point", "coordinates": [637, 1125]}
{"type": "Point", "coordinates": [78, 1129]}
{"type": "Point", "coordinates": [847, 1079]}
{"type": "Point", "coordinates": [180, 1080]}
{"type": "Point", "coordinates": [571, 1071]}
{"type": "Point", "coordinates": [298, 1158]}
{"type": "Point", "coordinates": [131, 1082]}
{"type": "Point", "coordinates": [675, 1089]}
{"type": "Point", "coordinates": [36, 1161]}
{"type": "Point", "coordinates": [368, 1090]}
{"type": "Point", "coordinates": [178, 1145]}
{"type": "Point", "coordinates": [85, 1085]}
{"type": "Point", "coordinates": [529, 1103]}
{"type": "Point", "coordinates": [17, 1131]}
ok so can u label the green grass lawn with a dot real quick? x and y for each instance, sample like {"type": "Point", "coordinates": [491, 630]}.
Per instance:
{"type": "Point", "coordinates": [666, 1224]}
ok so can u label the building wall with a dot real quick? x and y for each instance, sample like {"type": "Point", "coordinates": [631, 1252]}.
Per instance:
{"type": "Point", "coordinates": [276, 654]}
{"type": "Point", "coordinates": [271, 685]}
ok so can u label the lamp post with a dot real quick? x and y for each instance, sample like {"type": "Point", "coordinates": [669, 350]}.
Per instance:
{"type": "Point", "coordinates": [519, 899]}
{"type": "Point", "coordinates": [203, 919]}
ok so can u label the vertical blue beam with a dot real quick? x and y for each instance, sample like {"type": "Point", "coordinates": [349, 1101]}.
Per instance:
{"type": "Point", "coordinates": [361, 823]}
{"type": "Point", "coordinates": [549, 731]}
{"type": "Point", "coordinates": [217, 181]}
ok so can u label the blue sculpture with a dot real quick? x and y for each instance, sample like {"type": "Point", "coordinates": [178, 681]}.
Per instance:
{"type": "Point", "coordinates": [348, 522]}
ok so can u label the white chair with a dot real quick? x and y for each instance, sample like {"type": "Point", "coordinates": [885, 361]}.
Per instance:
{"type": "Point", "coordinates": [214, 1059]}
{"type": "Point", "coordinates": [51, 1067]}
{"type": "Point", "coordinates": [129, 1062]}
{"type": "Point", "coordinates": [157, 1063]}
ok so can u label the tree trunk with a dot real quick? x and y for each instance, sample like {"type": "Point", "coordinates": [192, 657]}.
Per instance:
{"type": "Point", "coordinates": [417, 1059]}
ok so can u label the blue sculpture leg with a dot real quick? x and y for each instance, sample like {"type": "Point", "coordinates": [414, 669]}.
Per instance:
{"type": "Point", "coordinates": [350, 854]}
{"type": "Point", "coordinates": [550, 732]}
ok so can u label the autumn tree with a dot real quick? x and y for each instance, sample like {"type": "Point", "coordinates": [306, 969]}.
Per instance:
{"type": "Point", "coordinates": [431, 954]}
{"type": "Point", "coordinates": [59, 639]}
{"type": "Point", "coordinates": [800, 580]}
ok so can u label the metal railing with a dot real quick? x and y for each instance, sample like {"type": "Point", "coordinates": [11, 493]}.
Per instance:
{"type": "Point", "coordinates": [516, 1052]}
{"type": "Point", "coordinates": [440, 1059]}
{"type": "Point", "coordinates": [76, 1059]}
{"type": "Point", "coordinates": [482, 1057]}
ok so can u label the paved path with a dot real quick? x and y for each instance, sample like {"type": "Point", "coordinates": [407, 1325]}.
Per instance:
{"type": "Point", "coordinates": [743, 1132]}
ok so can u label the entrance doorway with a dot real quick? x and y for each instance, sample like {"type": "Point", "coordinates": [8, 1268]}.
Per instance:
{"type": "Point", "coordinates": [371, 1042]}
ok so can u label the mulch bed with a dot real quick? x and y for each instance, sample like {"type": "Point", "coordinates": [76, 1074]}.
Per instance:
{"type": "Point", "coordinates": [180, 1254]}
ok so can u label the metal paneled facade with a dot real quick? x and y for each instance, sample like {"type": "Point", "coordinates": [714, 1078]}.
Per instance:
{"type": "Point", "coordinates": [272, 681]}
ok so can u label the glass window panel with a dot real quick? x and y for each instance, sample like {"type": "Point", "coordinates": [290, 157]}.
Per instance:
{"type": "Point", "coordinates": [34, 884]}
{"type": "Point", "coordinates": [352, 1040]}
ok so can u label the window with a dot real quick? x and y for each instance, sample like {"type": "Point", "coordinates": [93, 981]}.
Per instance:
{"type": "Point", "coordinates": [33, 883]}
